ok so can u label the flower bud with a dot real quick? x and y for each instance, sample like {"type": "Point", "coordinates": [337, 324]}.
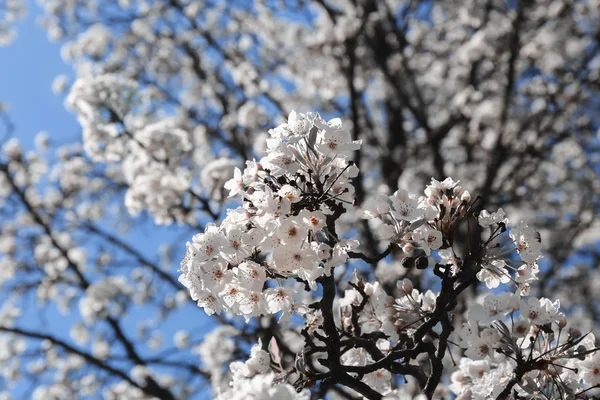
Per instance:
{"type": "Point", "coordinates": [562, 321]}
{"type": "Point", "coordinates": [401, 194]}
{"type": "Point", "coordinates": [466, 196]}
{"type": "Point", "coordinates": [369, 289]}
{"type": "Point", "coordinates": [408, 248]}
{"type": "Point", "coordinates": [407, 285]}
{"type": "Point", "coordinates": [575, 333]}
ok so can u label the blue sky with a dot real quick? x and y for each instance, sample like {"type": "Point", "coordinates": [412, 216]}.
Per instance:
{"type": "Point", "coordinates": [27, 68]}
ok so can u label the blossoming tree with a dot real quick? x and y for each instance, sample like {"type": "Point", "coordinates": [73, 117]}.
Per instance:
{"type": "Point", "coordinates": [335, 261]}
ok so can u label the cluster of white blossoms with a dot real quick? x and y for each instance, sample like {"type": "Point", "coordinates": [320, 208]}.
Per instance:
{"type": "Point", "coordinates": [262, 387]}
{"type": "Point", "coordinates": [10, 12]}
{"type": "Point", "coordinates": [284, 236]}
{"type": "Point", "coordinates": [155, 157]}
{"type": "Point", "coordinates": [507, 337]}
{"type": "Point", "coordinates": [281, 230]}
{"type": "Point", "coordinates": [101, 104]}
{"type": "Point", "coordinates": [426, 223]}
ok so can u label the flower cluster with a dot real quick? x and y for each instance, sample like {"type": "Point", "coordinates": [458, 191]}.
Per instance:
{"type": "Point", "coordinates": [101, 103]}
{"type": "Point", "coordinates": [283, 236]}
{"type": "Point", "coordinates": [10, 12]}
{"type": "Point", "coordinates": [285, 227]}
{"type": "Point", "coordinates": [524, 345]}
{"type": "Point", "coordinates": [420, 225]}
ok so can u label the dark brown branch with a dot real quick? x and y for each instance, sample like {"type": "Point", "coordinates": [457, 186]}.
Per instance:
{"type": "Point", "coordinates": [136, 254]}
{"type": "Point", "coordinates": [372, 260]}
{"type": "Point", "coordinates": [87, 356]}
